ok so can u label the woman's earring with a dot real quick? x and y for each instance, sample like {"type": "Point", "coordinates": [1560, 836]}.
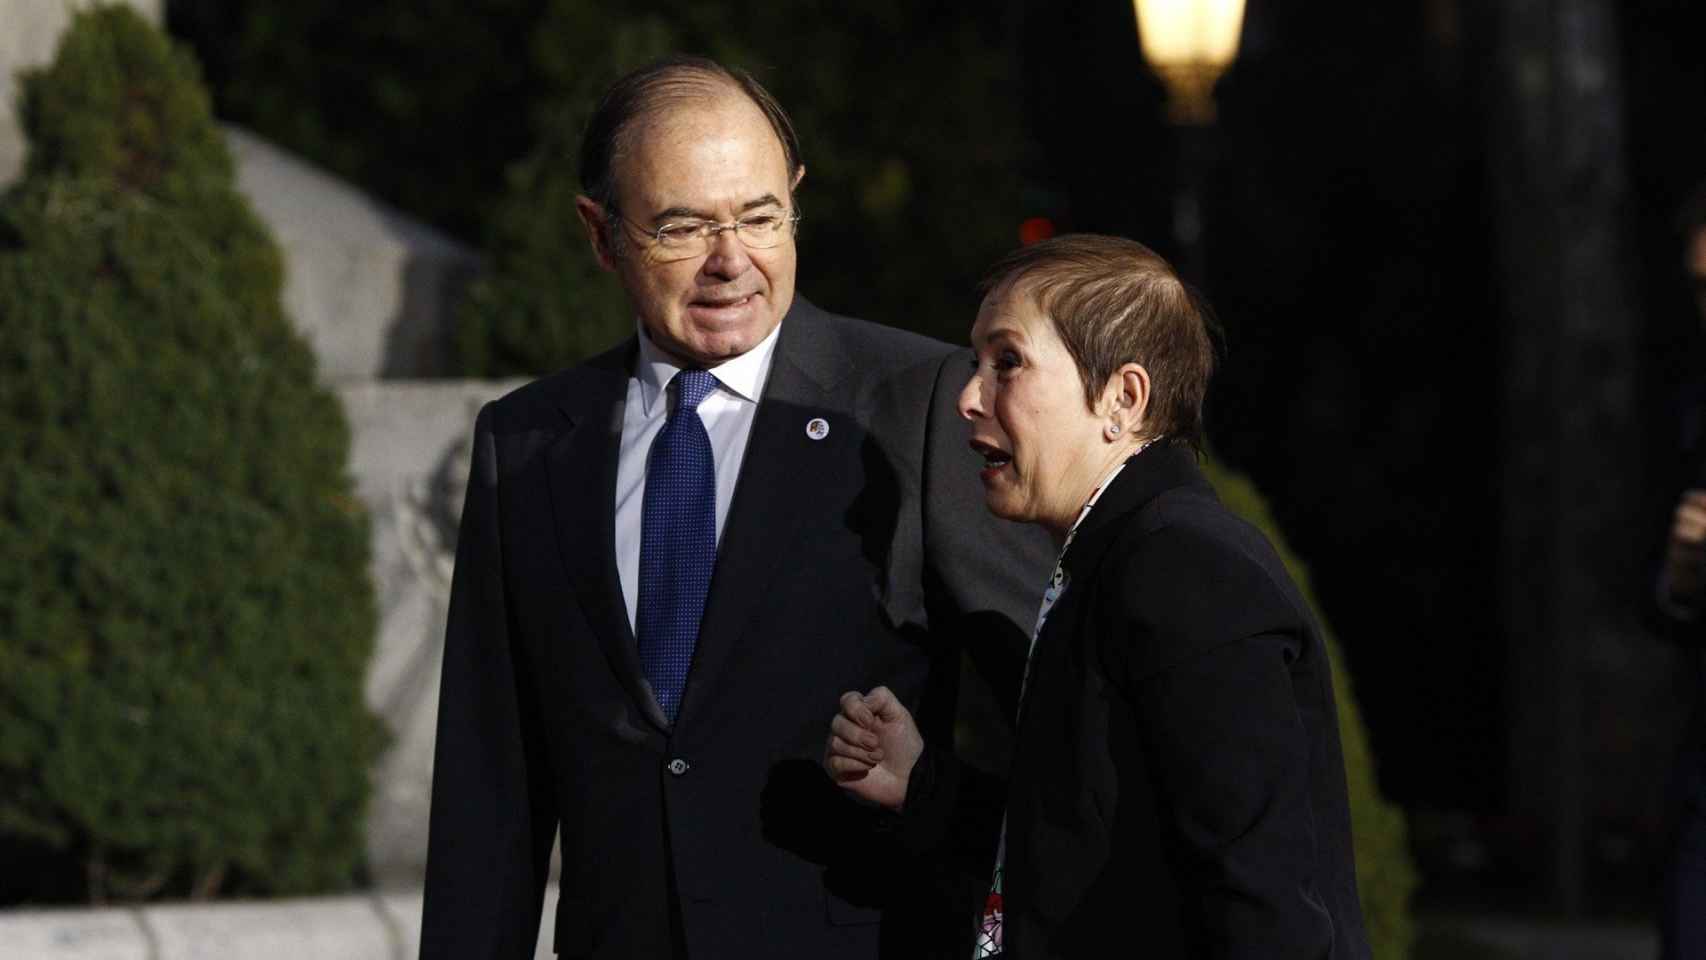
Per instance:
{"type": "Point", "coordinates": [1113, 430]}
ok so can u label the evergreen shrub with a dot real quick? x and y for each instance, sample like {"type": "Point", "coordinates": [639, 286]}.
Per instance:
{"type": "Point", "coordinates": [1385, 874]}
{"type": "Point", "coordinates": [185, 614]}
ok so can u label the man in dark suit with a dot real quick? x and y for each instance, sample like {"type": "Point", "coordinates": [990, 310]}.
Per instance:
{"type": "Point", "coordinates": [675, 556]}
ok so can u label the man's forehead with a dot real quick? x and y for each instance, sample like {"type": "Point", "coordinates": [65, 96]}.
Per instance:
{"type": "Point", "coordinates": [715, 115]}
{"type": "Point", "coordinates": [723, 151]}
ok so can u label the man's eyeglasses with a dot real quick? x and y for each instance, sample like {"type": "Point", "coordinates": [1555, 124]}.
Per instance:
{"type": "Point", "coordinates": [681, 239]}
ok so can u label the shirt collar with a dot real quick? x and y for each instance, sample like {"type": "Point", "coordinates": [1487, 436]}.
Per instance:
{"type": "Point", "coordinates": [1107, 481]}
{"type": "Point", "coordinates": [743, 375]}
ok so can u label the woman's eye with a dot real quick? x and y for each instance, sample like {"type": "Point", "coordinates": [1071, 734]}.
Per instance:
{"type": "Point", "coordinates": [1006, 360]}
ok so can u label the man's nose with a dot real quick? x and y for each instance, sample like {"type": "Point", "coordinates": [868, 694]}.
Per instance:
{"type": "Point", "coordinates": [728, 256]}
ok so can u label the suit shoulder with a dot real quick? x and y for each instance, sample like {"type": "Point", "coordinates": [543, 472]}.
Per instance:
{"type": "Point", "coordinates": [873, 345]}
{"type": "Point", "coordinates": [543, 401]}
{"type": "Point", "coordinates": [1191, 575]}
{"type": "Point", "coordinates": [1193, 517]}
{"type": "Point", "coordinates": [1190, 534]}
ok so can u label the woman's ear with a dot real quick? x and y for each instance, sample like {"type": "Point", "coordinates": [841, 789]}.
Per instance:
{"type": "Point", "coordinates": [1126, 401]}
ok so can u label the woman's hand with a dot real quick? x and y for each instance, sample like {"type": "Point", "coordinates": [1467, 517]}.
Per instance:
{"type": "Point", "coordinates": [873, 744]}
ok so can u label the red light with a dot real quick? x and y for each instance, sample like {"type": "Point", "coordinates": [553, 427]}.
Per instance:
{"type": "Point", "coordinates": [1034, 229]}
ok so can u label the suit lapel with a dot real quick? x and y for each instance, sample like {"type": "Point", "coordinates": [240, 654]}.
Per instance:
{"type": "Point", "coordinates": [581, 464]}
{"type": "Point", "coordinates": [777, 495]}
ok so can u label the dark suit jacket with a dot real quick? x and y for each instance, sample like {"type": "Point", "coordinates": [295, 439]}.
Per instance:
{"type": "Point", "coordinates": [861, 558]}
{"type": "Point", "coordinates": [1177, 782]}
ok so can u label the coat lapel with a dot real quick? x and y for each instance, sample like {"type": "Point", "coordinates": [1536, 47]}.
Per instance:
{"type": "Point", "coordinates": [582, 467]}
{"type": "Point", "coordinates": [1162, 467]}
{"type": "Point", "coordinates": [777, 495]}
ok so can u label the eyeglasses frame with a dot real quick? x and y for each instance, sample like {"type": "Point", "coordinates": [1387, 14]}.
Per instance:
{"type": "Point", "coordinates": [711, 230]}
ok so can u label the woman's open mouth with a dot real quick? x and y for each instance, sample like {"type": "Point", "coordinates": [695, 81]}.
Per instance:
{"type": "Point", "coordinates": [994, 458]}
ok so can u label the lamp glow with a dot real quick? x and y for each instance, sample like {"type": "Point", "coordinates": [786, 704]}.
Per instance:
{"type": "Point", "coordinates": [1190, 43]}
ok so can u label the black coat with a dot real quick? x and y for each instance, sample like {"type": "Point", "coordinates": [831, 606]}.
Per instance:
{"type": "Point", "coordinates": [1178, 788]}
{"type": "Point", "coordinates": [858, 559]}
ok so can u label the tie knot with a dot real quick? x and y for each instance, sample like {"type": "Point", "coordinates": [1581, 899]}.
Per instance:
{"type": "Point", "coordinates": [692, 387]}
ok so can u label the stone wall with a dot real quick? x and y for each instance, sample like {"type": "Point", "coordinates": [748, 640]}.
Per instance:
{"type": "Point", "coordinates": [412, 441]}
{"type": "Point", "coordinates": [372, 290]}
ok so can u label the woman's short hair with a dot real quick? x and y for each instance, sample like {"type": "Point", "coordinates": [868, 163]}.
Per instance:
{"type": "Point", "coordinates": [1114, 301]}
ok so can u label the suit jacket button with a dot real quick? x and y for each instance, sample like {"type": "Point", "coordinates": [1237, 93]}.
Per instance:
{"type": "Point", "coordinates": [678, 766]}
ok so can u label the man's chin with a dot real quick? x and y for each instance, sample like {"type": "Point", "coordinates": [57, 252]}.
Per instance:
{"type": "Point", "coordinates": [705, 351]}
{"type": "Point", "coordinates": [711, 352]}
{"type": "Point", "coordinates": [717, 346]}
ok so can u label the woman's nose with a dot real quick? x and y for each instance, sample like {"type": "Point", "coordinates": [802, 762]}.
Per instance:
{"type": "Point", "coordinates": [971, 397]}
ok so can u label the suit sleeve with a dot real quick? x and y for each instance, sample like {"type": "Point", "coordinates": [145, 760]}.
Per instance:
{"type": "Point", "coordinates": [951, 821]}
{"type": "Point", "coordinates": [492, 820]}
{"type": "Point", "coordinates": [1205, 651]}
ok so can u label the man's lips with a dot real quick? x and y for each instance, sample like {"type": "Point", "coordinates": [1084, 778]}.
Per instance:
{"type": "Point", "coordinates": [723, 302]}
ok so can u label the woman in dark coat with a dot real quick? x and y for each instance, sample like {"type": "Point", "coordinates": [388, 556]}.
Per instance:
{"type": "Point", "coordinates": [1177, 787]}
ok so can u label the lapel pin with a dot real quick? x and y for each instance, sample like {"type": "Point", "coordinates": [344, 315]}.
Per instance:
{"type": "Point", "coordinates": [817, 428]}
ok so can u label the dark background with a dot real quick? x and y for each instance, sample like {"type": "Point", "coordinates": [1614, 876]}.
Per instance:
{"type": "Point", "coordinates": [1358, 238]}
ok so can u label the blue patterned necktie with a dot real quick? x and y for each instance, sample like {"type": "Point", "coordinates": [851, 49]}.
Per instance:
{"type": "Point", "coordinates": [678, 542]}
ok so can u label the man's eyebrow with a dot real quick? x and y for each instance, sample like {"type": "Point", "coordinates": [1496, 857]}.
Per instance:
{"type": "Point", "coordinates": [688, 213]}
{"type": "Point", "coordinates": [768, 200]}
{"type": "Point", "coordinates": [679, 213]}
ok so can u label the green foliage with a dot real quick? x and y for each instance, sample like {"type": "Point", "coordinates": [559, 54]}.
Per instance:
{"type": "Point", "coordinates": [904, 202]}
{"type": "Point", "coordinates": [1385, 874]}
{"type": "Point", "coordinates": [185, 616]}
{"type": "Point", "coordinates": [422, 102]}
{"type": "Point", "coordinates": [546, 303]}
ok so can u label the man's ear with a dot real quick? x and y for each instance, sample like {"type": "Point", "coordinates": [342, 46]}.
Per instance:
{"type": "Point", "coordinates": [1126, 398]}
{"type": "Point", "coordinates": [598, 228]}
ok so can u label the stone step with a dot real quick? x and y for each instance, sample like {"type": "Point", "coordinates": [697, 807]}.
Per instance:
{"type": "Point", "coordinates": [356, 927]}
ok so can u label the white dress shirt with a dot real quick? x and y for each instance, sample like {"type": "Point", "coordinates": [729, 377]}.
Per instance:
{"type": "Point", "coordinates": [727, 414]}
